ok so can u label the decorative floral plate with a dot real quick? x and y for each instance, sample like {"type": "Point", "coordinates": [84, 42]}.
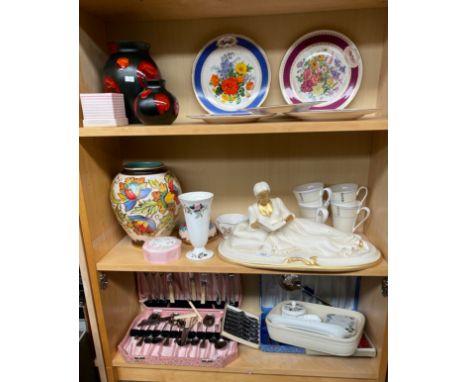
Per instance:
{"type": "Point", "coordinates": [321, 66]}
{"type": "Point", "coordinates": [231, 118]}
{"type": "Point", "coordinates": [231, 73]}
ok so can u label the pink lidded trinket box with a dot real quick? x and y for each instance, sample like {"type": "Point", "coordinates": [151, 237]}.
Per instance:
{"type": "Point", "coordinates": [163, 249]}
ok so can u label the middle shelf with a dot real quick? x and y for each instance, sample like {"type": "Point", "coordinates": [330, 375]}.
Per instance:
{"type": "Point", "coordinates": [127, 257]}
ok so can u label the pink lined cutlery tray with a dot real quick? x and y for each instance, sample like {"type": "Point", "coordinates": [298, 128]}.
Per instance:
{"type": "Point", "coordinates": [160, 341]}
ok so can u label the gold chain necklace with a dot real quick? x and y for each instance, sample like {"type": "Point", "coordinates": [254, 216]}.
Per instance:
{"type": "Point", "coordinates": [265, 210]}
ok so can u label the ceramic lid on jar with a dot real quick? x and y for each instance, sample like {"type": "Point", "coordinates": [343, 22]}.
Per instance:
{"type": "Point", "coordinates": [142, 168]}
{"type": "Point", "coordinates": [161, 245]}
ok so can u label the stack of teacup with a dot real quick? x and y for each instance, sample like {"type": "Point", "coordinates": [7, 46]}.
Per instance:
{"type": "Point", "coordinates": [312, 204]}
{"type": "Point", "coordinates": [346, 206]}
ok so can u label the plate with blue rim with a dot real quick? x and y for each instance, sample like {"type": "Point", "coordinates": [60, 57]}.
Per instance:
{"type": "Point", "coordinates": [230, 74]}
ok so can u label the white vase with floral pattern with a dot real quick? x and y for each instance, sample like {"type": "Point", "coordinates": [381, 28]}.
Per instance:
{"type": "Point", "coordinates": [197, 210]}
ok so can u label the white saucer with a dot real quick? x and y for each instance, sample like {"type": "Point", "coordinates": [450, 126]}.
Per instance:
{"type": "Point", "coordinates": [230, 118]}
{"type": "Point", "coordinates": [331, 115]}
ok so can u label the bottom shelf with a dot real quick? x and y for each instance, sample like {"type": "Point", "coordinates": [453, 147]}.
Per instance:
{"type": "Point", "coordinates": [256, 362]}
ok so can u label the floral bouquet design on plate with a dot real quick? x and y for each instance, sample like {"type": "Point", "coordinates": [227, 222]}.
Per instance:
{"type": "Point", "coordinates": [233, 80]}
{"type": "Point", "coordinates": [320, 76]}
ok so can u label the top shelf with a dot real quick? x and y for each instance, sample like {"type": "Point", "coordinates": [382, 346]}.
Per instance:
{"type": "Point", "coordinates": [145, 10]}
{"type": "Point", "coordinates": [374, 124]}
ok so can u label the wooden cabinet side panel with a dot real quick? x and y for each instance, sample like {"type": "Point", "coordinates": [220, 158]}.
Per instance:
{"type": "Point", "coordinates": [375, 307]}
{"type": "Point", "coordinates": [92, 313]}
{"type": "Point", "coordinates": [92, 54]}
{"type": "Point", "coordinates": [120, 306]}
{"type": "Point", "coordinates": [99, 163]}
{"type": "Point", "coordinates": [377, 225]}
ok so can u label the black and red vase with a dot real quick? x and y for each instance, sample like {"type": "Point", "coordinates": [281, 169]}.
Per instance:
{"type": "Point", "coordinates": [155, 105]}
{"type": "Point", "coordinates": [127, 70]}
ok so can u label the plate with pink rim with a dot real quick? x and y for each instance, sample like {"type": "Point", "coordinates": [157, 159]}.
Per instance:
{"type": "Point", "coordinates": [321, 66]}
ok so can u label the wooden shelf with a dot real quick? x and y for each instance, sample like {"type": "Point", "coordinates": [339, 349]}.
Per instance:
{"type": "Point", "coordinates": [200, 9]}
{"type": "Point", "coordinates": [276, 127]}
{"type": "Point", "coordinates": [127, 257]}
{"type": "Point", "coordinates": [253, 361]}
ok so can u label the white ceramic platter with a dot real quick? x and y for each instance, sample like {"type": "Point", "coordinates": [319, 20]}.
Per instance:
{"type": "Point", "coordinates": [321, 66]}
{"type": "Point", "coordinates": [281, 109]}
{"type": "Point", "coordinates": [230, 118]}
{"type": "Point", "coordinates": [331, 115]}
{"type": "Point", "coordinates": [324, 264]}
{"type": "Point", "coordinates": [231, 73]}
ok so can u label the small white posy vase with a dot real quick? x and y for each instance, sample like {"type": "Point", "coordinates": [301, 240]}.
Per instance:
{"type": "Point", "coordinates": [197, 211]}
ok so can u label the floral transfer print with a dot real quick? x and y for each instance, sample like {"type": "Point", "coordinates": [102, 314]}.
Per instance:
{"type": "Point", "coordinates": [320, 76]}
{"type": "Point", "coordinates": [233, 80]}
{"type": "Point", "coordinates": [197, 209]}
{"type": "Point", "coordinates": [146, 206]}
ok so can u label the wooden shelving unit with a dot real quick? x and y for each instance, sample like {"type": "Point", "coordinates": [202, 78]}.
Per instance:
{"type": "Point", "coordinates": [228, 160]}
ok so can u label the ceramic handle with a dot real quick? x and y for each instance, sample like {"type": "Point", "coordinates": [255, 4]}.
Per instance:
{"type": "Point", "coordinates": [329, 194]}
{"type": "Point", "coordinates": [366, 216]}
{"type": "Point", "coordinates": [365, 193]}
{"type": "Point", "coordinates": [322, 215]}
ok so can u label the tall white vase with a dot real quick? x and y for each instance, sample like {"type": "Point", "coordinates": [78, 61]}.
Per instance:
{"type": "Point", "coordinates": [197, 210]}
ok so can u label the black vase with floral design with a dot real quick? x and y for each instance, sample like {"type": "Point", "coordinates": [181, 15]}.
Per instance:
{"type": "Point", "coordinates": [155, 105]}
{"type": "Point", "coordinates": [127, 70]}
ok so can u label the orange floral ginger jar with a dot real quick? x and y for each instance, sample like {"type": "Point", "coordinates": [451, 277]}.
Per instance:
{"type": "Point", "coordinates": [145, 200]}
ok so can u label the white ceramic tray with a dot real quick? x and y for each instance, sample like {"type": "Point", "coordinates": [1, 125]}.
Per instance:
{"type": "Point", "coordinates": [303, 264]}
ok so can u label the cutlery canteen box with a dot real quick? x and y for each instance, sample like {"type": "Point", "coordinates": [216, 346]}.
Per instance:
{"type": "Point", "coordinates": [167, 294]}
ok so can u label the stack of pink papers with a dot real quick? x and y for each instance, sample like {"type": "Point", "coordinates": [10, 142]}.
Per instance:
{"type": "Point", "coordinates": [103, 109]}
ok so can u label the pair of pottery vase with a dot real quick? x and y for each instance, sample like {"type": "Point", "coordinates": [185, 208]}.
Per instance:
{"type": "Point", "coordinates": [131, 70]}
